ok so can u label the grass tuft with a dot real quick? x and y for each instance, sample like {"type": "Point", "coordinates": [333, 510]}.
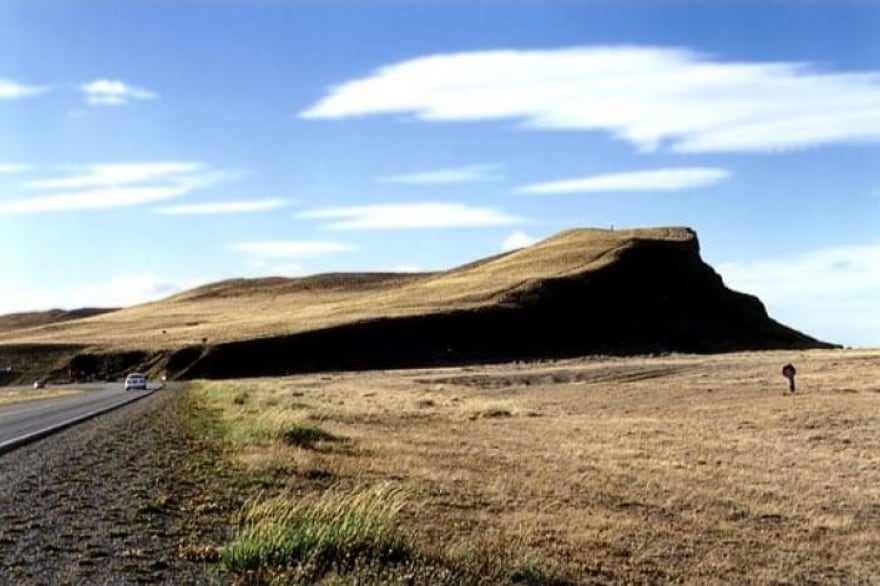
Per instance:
{"type": "Point", "coordinates": [335, 530]}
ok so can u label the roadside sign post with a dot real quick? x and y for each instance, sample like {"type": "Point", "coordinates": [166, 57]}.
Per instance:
{"type": "Point", "coordinates": [788, 371]}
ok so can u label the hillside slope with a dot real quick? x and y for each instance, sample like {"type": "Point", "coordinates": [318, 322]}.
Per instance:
{"type": "Point", "coordinates": [30, 319]}
{"type": "Point", "coordinates": [582, 291]}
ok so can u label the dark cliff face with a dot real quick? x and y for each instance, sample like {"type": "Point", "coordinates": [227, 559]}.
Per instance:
{"type": "Point", "coordinates": [657, 297]}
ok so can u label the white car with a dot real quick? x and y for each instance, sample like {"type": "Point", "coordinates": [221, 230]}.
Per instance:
{"type": "Point", "coordinates": [134, 381]}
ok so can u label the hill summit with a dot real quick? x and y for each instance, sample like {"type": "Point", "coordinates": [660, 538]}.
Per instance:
{"type": "Point", "coordinates": [584, 291]}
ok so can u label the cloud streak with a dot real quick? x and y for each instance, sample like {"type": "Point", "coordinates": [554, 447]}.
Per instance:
{"type": "Point", "coordinates": [466, 174]}
{"type": "Point", "coordinates": [105, 175]}
{"type": "Point", "coordinates": [653, 97]}
{"type": "Point", "coordinates": [221, 207]}
{"type": "Point", "coordinates": [13, 90]}
{"type": "Point", "coordinates": [121, 290]}
{"type": "Point", "coordinates": [113, 185]}
{"type": "Point", "coordinates": [409, 216]}
{"type": "Point", "coordinates": [651, 180]}
{"type": "Point", "coordinates": [112, 92]}
{"type": "Point", "coordinates": [12, 168]}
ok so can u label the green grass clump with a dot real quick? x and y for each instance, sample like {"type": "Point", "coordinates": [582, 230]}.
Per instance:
{"type": "Point", "coordinates": [336, 531]}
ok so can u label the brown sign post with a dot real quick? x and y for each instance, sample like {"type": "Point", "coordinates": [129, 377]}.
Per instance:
{"type": "Point", "coordinates": [788, 372]}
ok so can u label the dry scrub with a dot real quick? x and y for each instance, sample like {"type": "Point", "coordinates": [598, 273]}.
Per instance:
{"type": "Point", "coordinates": [686, 469]}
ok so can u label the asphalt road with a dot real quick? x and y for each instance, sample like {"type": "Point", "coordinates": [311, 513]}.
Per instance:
{"type": "Point", "coordinates": [34, 419]}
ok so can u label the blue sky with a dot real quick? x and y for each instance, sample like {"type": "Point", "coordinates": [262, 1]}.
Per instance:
{"type": "Point", "coordinates": [147, 147]}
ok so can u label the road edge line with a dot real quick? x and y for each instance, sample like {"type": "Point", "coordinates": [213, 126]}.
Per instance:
{"type": "Point", "coordinates": [18, 442]}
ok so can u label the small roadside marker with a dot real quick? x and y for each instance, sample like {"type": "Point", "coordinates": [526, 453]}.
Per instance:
{"type": "Point", "coordinates": [788, 371]}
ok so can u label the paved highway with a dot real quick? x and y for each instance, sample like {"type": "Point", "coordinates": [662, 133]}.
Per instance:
{"type": "Point", "coordinates": [30, 420]}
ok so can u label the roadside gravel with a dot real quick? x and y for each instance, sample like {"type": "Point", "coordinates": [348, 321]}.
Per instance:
{"type": "Point", "coordinates": [130, 497]}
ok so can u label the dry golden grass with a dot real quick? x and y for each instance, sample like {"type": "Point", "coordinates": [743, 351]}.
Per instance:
{"type": "Point", "coordinates": [238, 309]}
{"type": "Point", "coordinates": [686, 469]}
{"type": "Point", "coordinates": [11, 395]}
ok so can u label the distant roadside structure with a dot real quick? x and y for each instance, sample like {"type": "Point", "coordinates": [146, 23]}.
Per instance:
{"type": "Point", "coordinates": [788, 371]}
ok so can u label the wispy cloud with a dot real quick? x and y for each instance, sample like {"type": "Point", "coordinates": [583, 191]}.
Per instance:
{"type": "Point", "coordinates": [13, 90]}
{"type": "Point", "coordinates": [466, 174]}
{"type": "Point", "coordinates": [291, 249]}
{"type": "Point", "coordinates": [11, 168]}
{"type": "Point", "coordinates": [125, 290]}
{"type": "Point", "coordinates": [409, 215]}
{"type": "Point", "coordinates": [653, 97]}
{"type": "Point", "coordinates": [831, 293]}
{"type": "Point", "coordinates": [221, 207]}
{"type": "Point", "coordinates": [517, 240]}
{"type": "Point", "coordinates": [651, 180]}
{"type": "Point", "coordinates": [112, 92]}
{"type": "Point", "coordinates": [109, 174]}
{"type": "Point", "coordinates": [121, 290]}
{"type": "Point", "coordinates": [403, 269]}
{"type": "Point", "coordinates": [113, 185]}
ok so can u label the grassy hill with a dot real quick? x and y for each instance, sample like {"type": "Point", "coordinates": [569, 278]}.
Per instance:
{"type": "Point", "coordinates": [621, 291]}
{"type": "Point", "coordinates": [30, 319]}
{"type": "Point", "coordinates": [250, 308]}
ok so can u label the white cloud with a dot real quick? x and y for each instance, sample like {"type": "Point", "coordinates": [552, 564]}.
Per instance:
{"type": "Point", "coordinates": [466, 174]}
{"type": "Point", "coordinates": [11, 168]}
{"type": "Point", "coordinates": [652, 180]}
{"type": "Point", "coordinates": [113, 185]}
{"type": "Point", "coordinates": [409, 215]}
{"type": "Point", "coordinates": [290, 249]}
{"type": "Point", "coordinates": [91, 199]}
{"type": "Point", "coordinates": [517, 240]}
{"type": "Point", "coordinates": [112, 92]}
{"type": "Point", "coordinates": [120, 291]}
{"type": "Point", "coordinates": [652, 97]}
{"type": "Point", "coordinates": [221, 207]}
{"type": "Point", "coordinates": [403, 269]}
{"type": "Point", "coordinates": [12, 90]}
{"type": "Point", "coordinates": [106, 175]}
{"type": "Point", "coordinates": [126, 290]}
{"type": "Point", "coordinates": [830, 293]}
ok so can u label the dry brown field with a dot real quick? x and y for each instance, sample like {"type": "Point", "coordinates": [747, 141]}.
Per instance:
{"type": "Point", "coordinates": [669, 469]}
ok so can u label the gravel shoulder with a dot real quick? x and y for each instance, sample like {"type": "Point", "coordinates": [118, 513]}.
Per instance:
{"type": "Point", "coordinates": [127, 498]}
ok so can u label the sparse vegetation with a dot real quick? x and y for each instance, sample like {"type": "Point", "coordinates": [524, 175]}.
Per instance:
{"type": "Point", "coordinates": [703, 472]}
